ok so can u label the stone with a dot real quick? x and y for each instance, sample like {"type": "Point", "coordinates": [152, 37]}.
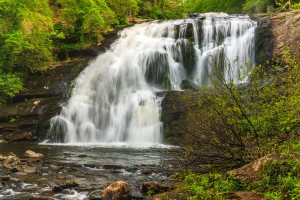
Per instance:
{"type": "Point", "coordinates": [176, 105]}
{"type": "Point", "coordinates": [32, 154]}
{"type": "Point", "coordinates": [21, 174]}
{"type": "Point", "coordinates": [187, 84]}
{"type": "Point", "coordinates": [119, 190]}
{"type": "Point", "coordinates": [40, 197]}
{"type": "Point", "coordinates": [4, 178]}
{"type": "Point", "coordinates": [57, 167]}
{"type": "Point", "coordinates": [147, 171]}
{"type": "Point", "coordinates": [66, 185]}
{"type": "Point", "coordinates": [245, 196]}
{"type": "Point", "coordinates": [57, 189]}
{"type": "Point", "coordinates": [249, 172]}
{"type": "Point", "coordinates": [155, 187]}
{"type": "Point", "coordinates": [95, 195]}
{"type": "Point", "coordinates": [69, 184]}
{"type": "Point", "coordinates": [11, 161]}
{"type": "Point", "coordinates": [1, 186]}
{"type": "Point", "coordinates": [19, 136]}
{"type": "Point", "coordinates": [29, 170]}
{"type": "Point", "coordinates": [2, 141]}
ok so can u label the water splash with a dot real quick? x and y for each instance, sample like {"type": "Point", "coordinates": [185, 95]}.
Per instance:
{"type": "Point", "coordinates": [114, 98]}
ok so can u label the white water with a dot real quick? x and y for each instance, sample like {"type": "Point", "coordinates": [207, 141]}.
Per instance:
{"type": "Point", "coordinates": [114, 98]}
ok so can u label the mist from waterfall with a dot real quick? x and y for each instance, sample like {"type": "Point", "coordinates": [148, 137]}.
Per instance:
{"type": "Point", "coordinates": [114, 99]}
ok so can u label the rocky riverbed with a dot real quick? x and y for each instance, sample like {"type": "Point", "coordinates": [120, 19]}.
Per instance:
{"type": "Point", "coordinates": [63, 172]}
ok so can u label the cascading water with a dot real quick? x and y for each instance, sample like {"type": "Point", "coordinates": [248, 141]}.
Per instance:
{"type": "Point", "coordinates": [114, 98]}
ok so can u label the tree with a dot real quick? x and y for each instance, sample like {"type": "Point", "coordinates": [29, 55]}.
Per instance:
{"type": "Point", "coordinates": [228, 6]}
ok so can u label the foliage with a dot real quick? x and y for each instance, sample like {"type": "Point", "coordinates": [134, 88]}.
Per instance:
{"type": "Point", "coordinates": [25, 35]}
{"type": "Point", "coordinates": [279, 178]}
{"type": "Point", "coordinates": [296, 6]}
{"type": "Point", "coordinates": [162, 9]}
{"type": "Point", "coordinates": [256, 6]}
{"type": "Point", "coordinates": [243, 121]}
{"type": "Point", "coordinates": [10, 84]}
{"type": "Point", "coordinates": [124, 8]}
{"type": "Point", "coordinates": [208, 186]}
{"type": "Point", "coordinates": [236, 6]}
{"type": "Point", "coordinates": [81, 21]}
{"type": "Point", "coordinates": [231, 6]}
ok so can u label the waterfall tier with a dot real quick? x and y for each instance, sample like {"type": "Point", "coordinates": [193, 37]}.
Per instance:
{"type": "Point", "coordinates": [114, 99]}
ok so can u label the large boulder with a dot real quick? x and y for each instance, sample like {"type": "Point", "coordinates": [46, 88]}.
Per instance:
{"type": "Point", "coordinates": [32, 154]}
{"type": "Point", "coordinates": [264, 42]}
{"type": "Point", "coordinates": [250, 172]}
{"type": "Point", "coordinates": [175, 106]}
{"type": "Point", "coordinates": [188, 85]}
{"type": "Point", "coordinates": [10, 161]}
{"type": "Point", "coordinates": [119, 190]}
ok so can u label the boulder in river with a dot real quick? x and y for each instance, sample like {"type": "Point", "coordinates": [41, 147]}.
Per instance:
{"type": "Point", "coordinates": [10, 161]}
{"type": "Point", "coordinates": [66, 185]}
{"type": "Point", "coordinates": [32, 154]}
{"type": "Point", "coordinates": [119, 190]}
{"type": "Point", "coordinates": [147, 171]}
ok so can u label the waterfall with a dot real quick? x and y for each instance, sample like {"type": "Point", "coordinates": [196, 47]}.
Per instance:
{"type": "Point", "coordinates": [114, 99]}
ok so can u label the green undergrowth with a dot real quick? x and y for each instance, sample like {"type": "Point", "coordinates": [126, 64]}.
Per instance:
{"type": "Point", "coordinates": [278, 179]}
{"type": "Point", "coordinates": [236, 124]}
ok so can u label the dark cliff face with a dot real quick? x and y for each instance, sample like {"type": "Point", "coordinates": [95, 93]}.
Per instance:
{"type": "Point", "coordinates": [264, 42]}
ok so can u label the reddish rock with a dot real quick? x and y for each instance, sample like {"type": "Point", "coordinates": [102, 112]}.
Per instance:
{"type": "Point", "coordinates": [249, 172]}
{"type": "Point", "coordinates": [32, 154]}
{"type": "Point", "coordinates": [147, 171]}
{"type": "Point", "coordinates": [119, 190]}
{"type": "Point", "coordinates": [10, 161]}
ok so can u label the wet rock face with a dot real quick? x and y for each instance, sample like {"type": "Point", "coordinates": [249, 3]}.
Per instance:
{"type": "Point", "coordinates": [175, 106]}
{"type": "Point", "coordinates": [187, 84]}
{"type": "Point", "coordinates": [264, 42]}
{"type": "Point", "coordinates": [119, 190]}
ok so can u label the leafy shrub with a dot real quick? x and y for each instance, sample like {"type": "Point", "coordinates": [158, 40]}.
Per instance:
{"type": "Point", "coordinates": [236, 123]}
{"type": "Point", "coordinates": [10, 84]}
{"type": "Point", "coordinates": [280, 178]}
{"type": "Point", "coordinates": [210, 186]}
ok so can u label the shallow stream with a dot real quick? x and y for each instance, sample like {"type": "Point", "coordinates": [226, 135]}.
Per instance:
{"type": "Point", "coordinates": [92, 167]}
